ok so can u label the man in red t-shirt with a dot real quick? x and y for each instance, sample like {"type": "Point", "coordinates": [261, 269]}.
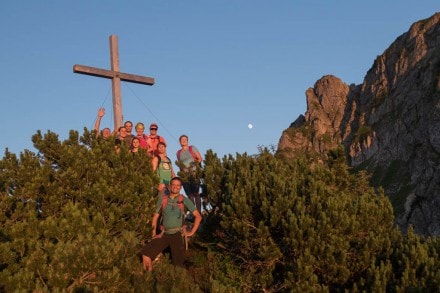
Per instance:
{"type": "Point", "coordinates": [153, 139]}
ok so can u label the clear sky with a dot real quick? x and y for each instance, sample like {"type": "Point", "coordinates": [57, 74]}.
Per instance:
{"type": "Point", "coordinates": [218, 65]}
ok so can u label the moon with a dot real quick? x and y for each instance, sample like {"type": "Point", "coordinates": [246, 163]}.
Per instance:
{"type": "Point", "coordinates": [250, 126]}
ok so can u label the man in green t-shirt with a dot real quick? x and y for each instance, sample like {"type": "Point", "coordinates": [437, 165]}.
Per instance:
{"type": "Point", "coordinates": [172, 221]}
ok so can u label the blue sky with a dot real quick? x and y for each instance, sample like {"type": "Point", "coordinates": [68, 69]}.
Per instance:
{"type": "Point", "coordinates": [218, 65]}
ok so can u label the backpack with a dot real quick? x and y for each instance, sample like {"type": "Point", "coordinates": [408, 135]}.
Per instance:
{"type": "Point", "coordinates": [193, 154]}
{"type": "Point", "coordinates": [179, 204]}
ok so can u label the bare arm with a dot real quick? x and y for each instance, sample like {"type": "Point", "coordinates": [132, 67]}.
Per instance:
{"type": "Point", "coordinates": [172, 169]}
{"type": "Point", "coordinates": [154, 224]}
{"type": "Point", "coordinates": [197, 220]}
{"type": "Point", "coordinates": [101, 113]}
{"type": "Point", "coordinates": [199, 157]}
{"type": "Point", "coordinates": [154, 163]}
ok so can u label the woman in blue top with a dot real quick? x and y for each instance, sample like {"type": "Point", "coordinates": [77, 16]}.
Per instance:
{"type": "Point", "coordinates": [189, 158]}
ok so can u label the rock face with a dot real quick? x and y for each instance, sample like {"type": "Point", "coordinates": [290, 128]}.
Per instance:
{"type": "Point", "coordinates": [389, 125]}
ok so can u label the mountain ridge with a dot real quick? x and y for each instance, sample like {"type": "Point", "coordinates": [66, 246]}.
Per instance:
{"type": "Point", "coordinates": [388, 125]}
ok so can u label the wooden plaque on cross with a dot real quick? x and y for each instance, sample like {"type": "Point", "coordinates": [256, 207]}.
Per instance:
{"type": "Point", "coordinates": [116, 76]}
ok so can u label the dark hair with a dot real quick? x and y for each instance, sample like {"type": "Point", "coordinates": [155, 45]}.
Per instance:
{"type": "Point", "coordinates": [176, 179]}
{"type": "Point", "coordinates": [161, 143]}
{"type": "Point", "coordinates": [183, 135]}
{"type": "Point", "coordinates": [128, 121]}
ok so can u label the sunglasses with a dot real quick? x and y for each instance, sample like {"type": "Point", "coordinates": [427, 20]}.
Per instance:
{"type": "Point", "coordinates": [153, 128]}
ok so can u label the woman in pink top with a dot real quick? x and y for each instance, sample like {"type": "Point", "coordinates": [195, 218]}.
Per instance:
{"type": "Point", "coordinates": [140, 135]}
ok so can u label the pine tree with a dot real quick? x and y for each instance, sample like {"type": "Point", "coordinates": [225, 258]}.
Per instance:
{"type": "Point", "coordinates": [73, 215]}
{"type": "Point", "coordinates": [303, 225]}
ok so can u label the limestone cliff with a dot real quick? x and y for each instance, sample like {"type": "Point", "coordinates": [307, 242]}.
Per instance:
{"type": "Point", "coordinates": [389, 124]}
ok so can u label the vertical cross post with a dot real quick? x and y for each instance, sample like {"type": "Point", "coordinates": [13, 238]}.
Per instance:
{"type": "Point", "coordinates": [116, 82]}
{"type": "Point", "coordinates": [116, 76]}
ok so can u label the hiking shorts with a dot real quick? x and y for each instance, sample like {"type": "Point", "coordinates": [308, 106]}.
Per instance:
{"type": "Point", "coordinates": [157, 245]}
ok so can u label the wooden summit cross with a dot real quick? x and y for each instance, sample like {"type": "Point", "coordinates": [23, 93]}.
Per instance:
{"type": "Point", "coordinates": [116, 76]}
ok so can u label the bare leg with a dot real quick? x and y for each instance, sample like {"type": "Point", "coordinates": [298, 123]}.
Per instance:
{"type": "Point", "coordinates": [146, 261]}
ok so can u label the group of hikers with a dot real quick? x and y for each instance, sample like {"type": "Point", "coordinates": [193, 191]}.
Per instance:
{"type": "Point", "coordinates": [168, 224]}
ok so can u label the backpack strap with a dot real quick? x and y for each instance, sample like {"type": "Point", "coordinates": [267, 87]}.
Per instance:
{"type": "Point", "coordinates": [180, 204]}
{"type": "Point", "coordinates": [159, 160]}
{"type": "Point", "coordinates": [193, 154]}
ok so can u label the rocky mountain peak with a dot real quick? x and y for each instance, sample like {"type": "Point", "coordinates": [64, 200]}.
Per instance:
{"type": "Point", "coordinates": [389, 124]}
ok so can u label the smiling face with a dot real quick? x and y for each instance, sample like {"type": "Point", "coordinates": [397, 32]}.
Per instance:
{"type": "Point", "coordinates": [128, 126]}
{"type": "Point", "coordinates": [106, 133]}
{"type": "Point", "coordinates": [123, 132]}
{"type": "Point", "coordinates": [139, 130]}
{"type": "Point", "coordinates": [183, 140]}
{"type": "Point", "coordinates": [153, 131]}
{"type": "Point", "coordinates": [175, 186]}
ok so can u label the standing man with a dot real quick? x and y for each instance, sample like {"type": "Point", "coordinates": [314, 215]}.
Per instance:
{"type": "Point", "coordinates": [172, 220]}
{"type": "Point", "coordinates": [189, 158]}
{"type": "Point", "coordinates": [154, 139]}
{"type": "Point", "coordinates": [129, 127]}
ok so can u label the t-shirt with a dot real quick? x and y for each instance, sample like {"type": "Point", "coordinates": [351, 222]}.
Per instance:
{"type": "Point", "coordinates": [172, 215]}
{"type": "Point", "coordinates": [152, 143]}
{"type": "Point", "coordinates": [142, 141]}
{"type": "Point", "coordinates": [164, 170]}
{"type": "Point", "coordinates": [186, 158]}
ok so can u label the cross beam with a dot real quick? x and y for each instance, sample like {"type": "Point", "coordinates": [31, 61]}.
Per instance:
{"type": "Point", "coordinates": [116, 76]}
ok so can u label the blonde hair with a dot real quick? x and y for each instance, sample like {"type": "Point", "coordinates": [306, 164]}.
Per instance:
{"type": "Point", "coordinates": [139, 124]}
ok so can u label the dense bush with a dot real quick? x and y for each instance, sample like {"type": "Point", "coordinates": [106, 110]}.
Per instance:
{"type": "Point", "coordinates": [75, 215]}
{"type": "Point", "coordinates": [301, 226]}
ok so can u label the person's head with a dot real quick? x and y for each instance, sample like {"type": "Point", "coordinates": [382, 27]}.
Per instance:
{"type": "Point", "coordinates": [153, 129]}
{"type": "Point", "coordinates": [135, 143]}
{"type": "Point", "coordinates": [128, 126]}
{"type": "Point", "coordinates": [106, 132]}
{"type": "Point", "coordinates": [183, 139]}
{"type": "Point", "coordinates": [161, 147]}
{"type": "Point", "coordinates": [175, 185]}
{"type": "Point", "coordinates": [139, 128]}
{"type": "Point", "coordinates": [122, 131]}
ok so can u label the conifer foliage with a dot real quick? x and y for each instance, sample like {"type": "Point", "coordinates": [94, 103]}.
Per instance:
{"type": "Point", "coordinates": [302, 226]}
{"type": "Point", "coordinates": [74, 216]}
